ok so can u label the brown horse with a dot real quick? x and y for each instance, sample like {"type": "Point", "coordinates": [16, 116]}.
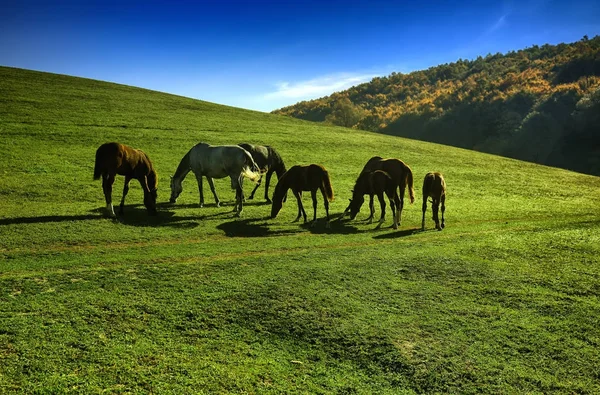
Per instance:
{"type": "Point", "coordinates": [115, 158]}
{"type": "Point", "coordinates": [377, 183]}
{"type": "Point", "coordinates": [434, 186]}
{"type": "Point", "coordinates": [303, 178]}
{"type": "Point", "coordinates": [401, 176]}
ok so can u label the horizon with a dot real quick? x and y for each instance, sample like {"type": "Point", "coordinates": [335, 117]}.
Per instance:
{"type": "Point", "coordinates": [264, 56]}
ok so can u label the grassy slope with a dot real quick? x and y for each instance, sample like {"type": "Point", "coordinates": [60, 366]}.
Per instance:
{"type": "Point", "coordinates": [504, 300]}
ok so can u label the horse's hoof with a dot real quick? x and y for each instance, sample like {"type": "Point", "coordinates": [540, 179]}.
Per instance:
{"type": "Point", "coordinates": [269, 201]}
{"type": "Point", "coordinates": [201, 205]}
{"type": "Point", "coordinates": [443, 226]}
{"type": "Point", "coordinates": [218, 204]}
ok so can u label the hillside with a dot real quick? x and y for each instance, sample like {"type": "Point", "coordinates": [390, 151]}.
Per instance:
{"type": "Point", "coordinates": [540, 104]}
{"type": "Point", "coordinates": [504, 300]}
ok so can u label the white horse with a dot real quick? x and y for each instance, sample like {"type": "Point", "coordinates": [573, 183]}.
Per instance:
{"type": "Point", "coordinates": [217, 161]}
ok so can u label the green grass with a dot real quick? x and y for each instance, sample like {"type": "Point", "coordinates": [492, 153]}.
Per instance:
{"type": "Point", "coordinates": [504, 300]}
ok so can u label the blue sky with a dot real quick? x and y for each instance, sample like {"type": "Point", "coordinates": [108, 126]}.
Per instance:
{"type": "Point", "coordinates": [264, 55]}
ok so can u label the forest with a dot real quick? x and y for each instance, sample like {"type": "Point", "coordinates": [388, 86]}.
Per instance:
{"type": "Point", "coordinates": [540, 104]}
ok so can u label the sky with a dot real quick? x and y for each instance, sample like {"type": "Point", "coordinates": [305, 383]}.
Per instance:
{"type": "Point", "coordinates": [264, 55]}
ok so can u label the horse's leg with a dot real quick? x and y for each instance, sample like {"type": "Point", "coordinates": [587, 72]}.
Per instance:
{"type": "Point", "coordinates": [211, 184]}
{"type": "Point", "coordinates": [107, 183]}
{"type": "Point", "coordinates": [424, 208]}
{"type": "Point", "coordinates": [371, 209]}
{"type": "Point", "coordinates": [239, 197]}
{"type": "Point", "coordinates": [382, 206]}
{"type": "Point", "coordinates": [125, 191]}
{"type": "Point", "coordinates": [399, 211]}
{"type": "Point", "coordinates": [393, 206]}
{"type": "Point", "coordinates": [443, 201]}
{"type": "Point", "coordinates": [300, 208]}
{"type": "Point", "coordinates": [370, 219]}
{"type": "Point", "coordinates": [267, 182]}
{"type": "Point", "coordinates": [255, 188]}
{"type": "Point", "coordinates": [313, 195]}
{"type": "Point", "coordinates": [435, 207]}
{"type": "Point", "coordinates": [326, 204]}
{"type": "Point", "coordinates": [200, 189]}
{"type": "Point", "coordinates": [398, 206]}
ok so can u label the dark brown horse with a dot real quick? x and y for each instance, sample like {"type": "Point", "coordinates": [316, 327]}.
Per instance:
{"type": "Point", "coordinates": [373, 183]}
{"type": "Point", "coordinates": [434, 186]}
{"type": "Point", "coordinates": [303, 178]}
{"type": "Point", "coordinates": [401, 176]}
{"type": "Point", "coordinates": [269, 161]}
{"type": "Point", "coordinates": [115, 158]}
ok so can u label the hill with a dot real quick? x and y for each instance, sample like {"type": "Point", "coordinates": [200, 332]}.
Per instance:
{"type": "Point", "coordinates": [504, 300]}
{"type": "Point", "coordinates": [539, 104]}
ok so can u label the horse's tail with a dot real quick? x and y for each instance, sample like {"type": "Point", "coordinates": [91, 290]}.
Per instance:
{"type": "Point", "coordinates": [98, 165]}
{"type": "Point", "coordinates": [409, 183]}
{"type": "Point", "coordinates": [327, 185]}
{"type": "Point", "coordinates": [250, 169]}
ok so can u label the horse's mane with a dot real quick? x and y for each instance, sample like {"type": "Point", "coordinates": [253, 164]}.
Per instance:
{"type": "Point", "coordinates": [276, 160]}
{"type": "Point", "coordinates": [184, 165]}
{"type": "Point", "coordinates": [281, 187]}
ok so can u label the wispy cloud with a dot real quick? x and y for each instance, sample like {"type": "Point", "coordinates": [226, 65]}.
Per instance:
{"type": "Point", "coordinates": [498, 24]}
{"type": "Point", "coordinates": [317, 87]}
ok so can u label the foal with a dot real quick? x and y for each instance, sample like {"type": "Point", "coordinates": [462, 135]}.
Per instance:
{"type": "Point", "coordinates": [434, 186]}
{"type": "Point", "coordinates": [373, 183]}
{"type": "Point", "coordinates": [303, 178]}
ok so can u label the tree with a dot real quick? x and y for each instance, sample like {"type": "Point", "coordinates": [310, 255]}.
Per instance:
{"type": "Point", "coordinates": [345, 113]}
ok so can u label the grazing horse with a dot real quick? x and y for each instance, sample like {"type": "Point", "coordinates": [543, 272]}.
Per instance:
{"type": "Point", "coordinates": [434, 186]}
{"type": "Point", "coordinates": [377, 183]}
{"type": "Point", "coordinates": [115, 158]}
{"type": "Point", "coordinates": [216, 161]}
{"type": "Point", "coordinates": [269, 161]}
{"type": "Point", "coordinates": [303, 178]}
{"type": "Point", "coordinates": [401, 176]}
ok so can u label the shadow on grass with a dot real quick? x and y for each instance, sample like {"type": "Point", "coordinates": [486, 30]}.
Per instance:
{"type": "Point", "coordinates": [398, 233]}
{"type": "Point", "coordinates": [167, 205]}
{"type": "Point", "coordinates": [252, 227]}
{"type": "Point", "coordinates": [335, 227]}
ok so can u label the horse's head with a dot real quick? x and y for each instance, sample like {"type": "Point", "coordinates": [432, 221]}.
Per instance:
{"type": "Point", "coordinates": [355, 204]}
{"type": "Point", "coordinates": [278, 199]}
{"type": "Point", "coordinates": [276, 207]}
{"type": "Point", "coordinates": [176, 189]}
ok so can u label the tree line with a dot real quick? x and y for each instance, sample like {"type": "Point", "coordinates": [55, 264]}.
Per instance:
{"type": "Point", "coordinates": [540, 104]}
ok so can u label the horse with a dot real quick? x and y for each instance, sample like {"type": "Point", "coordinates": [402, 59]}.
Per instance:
{"type": "Point", "coordinates": [377, 183]}
{"type": "Point", "coordinates": [303, 178]}
{"type": "Point", "coordinates": [434, 186]}
{"type": "Point", "coordinates": [269, 161]}
{"type": "Point", "coordinates": [216, 161]}
{"type": "Point", "coordinates": [401, 176]}
{"type": "Point", "coordinates": [114, 158]}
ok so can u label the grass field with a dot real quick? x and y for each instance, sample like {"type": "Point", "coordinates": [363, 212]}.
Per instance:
{"type": "Point", "coordinates": [504, 300]}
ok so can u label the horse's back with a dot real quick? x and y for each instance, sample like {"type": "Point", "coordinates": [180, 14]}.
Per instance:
{"type": "Point", "coordinates": [259, 153]}
{"type": "Point", "coordinates": [434, 184]}
{"type": "Point", "coordinates": [121, 159]}
{"type": "Point", "coordinates": [218, 161]}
